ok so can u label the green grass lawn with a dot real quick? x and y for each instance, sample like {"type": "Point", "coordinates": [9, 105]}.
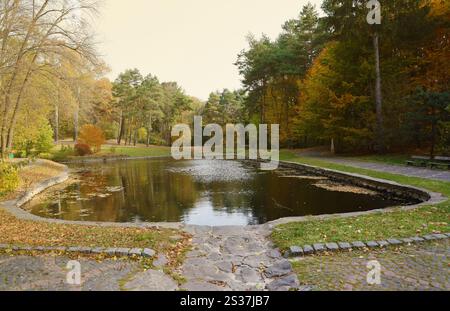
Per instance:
{"type": "Point", "coordinates": [395, 159]}
{"type": "Point", "coordinates": [397, 224]}
{"type": "Point", "coordinates": [152, 151]}
{"type": "Point", "coordinates": [58, 154]}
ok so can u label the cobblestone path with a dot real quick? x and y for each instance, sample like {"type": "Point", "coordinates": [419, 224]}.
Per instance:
{"type": "Point", "coordinates": [238, 259]}
{"type": "Point", "coordinates": [48, 273]}
{"type": "Point", "coordinates": [222, 258]}
{"type": "Point", "coordinates": [235, 258]}
{"type": "Point", "coordinates": [411, 268]}
{"type": "Point", "coordinates": [393, 169]}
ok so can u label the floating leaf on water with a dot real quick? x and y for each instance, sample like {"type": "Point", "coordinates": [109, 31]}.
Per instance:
{"type": "Point", "coordinates": [114, 189]}
{"type": "Point", "coordinates": [104, 195]}
{"type": "Point", "coordinates": [305, 177]}
{"type": "Point", "coordinates": [332, 186]}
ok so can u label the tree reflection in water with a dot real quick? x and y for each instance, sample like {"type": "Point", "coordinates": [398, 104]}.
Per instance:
{"type": "Point", "coordinates": [195, 192]}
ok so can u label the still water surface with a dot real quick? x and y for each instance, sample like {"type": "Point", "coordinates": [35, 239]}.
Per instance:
{"type": "Point", "coordinates": [194, 192]}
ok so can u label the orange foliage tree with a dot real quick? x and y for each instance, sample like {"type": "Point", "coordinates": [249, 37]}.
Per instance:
{"type": "Point", "coordinates": [92, 136]}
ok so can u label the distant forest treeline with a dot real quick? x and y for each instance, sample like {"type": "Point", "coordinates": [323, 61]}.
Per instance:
{"type": "Point", "coordinates": [317, 79]}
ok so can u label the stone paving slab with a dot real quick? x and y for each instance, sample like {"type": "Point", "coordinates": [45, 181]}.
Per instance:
{"type": "Point", "coordinates": [151, 280]}
{"type": "Point", "coordinates": [235, 258]}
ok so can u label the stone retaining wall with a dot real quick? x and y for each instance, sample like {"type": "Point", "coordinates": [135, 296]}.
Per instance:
{"type": "Point", "coordinates": [384, 186]}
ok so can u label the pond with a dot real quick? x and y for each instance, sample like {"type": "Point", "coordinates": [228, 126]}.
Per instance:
{"type": "Point", "coordinates": [197, 192]}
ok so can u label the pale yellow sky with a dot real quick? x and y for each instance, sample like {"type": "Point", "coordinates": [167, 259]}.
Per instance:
{"type": "Point", "coordinates": [193, 42]}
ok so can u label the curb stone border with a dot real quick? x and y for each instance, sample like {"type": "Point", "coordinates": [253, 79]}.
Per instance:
{"type": "Point", "coordinates": [302, 251]}
{"type": "Point", "coordinates": [123, 252]}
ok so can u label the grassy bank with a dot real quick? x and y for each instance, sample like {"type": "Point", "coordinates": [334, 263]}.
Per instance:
{"type": "Point", "coordinates": [20, 232]}
{"type": "Point", "coordinates": [66, 153]}
{"type": "Point", "coordinates": [395, 159]}
{"type": "Point", "coordinates": [399, 224]}
{"type": "Point", "coordinates": [152, 151]}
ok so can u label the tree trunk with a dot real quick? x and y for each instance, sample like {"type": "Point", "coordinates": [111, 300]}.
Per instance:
{"type": "Point", "coordinates": [10, 139]}
{"type": "Point", "coordinates": [149, 130]}
{"type": "Point", "coordinates": [3, 130]}
{"type": "Point", "coordinates": [130, 135]}
{"type": "Point", "coordinates": [13, 121]}
{"type": "Point", "coordinates": [378, 97]}
{"type": "Point", "coordinates": [148, 138]}
{"type": "Point", "coordinates": [5, 141]}
{"type": "Point", "coordinates": [75, 125]}
{"type": "Point", "coordinates": [121, 128]}
{"type": "Point", "coordinates": [433, 140]}
{"type": "Point", "coordinates": [433, 133]}
{"type": "Point", "coordinates": [76, 117]}
{"type": "Point", "coordinates": [56, 124]}
{"type": "Point", "coordinates": [263, 105]}
{"type": "Point", "coordinates": [58, 99]}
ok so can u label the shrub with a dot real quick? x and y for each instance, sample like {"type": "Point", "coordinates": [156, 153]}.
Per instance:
{"type": "Point", "coordinates": [157, 140]}
{"type": "Point", "coordinates": [9, 178]}
{"type": "Point", "coordinates": [142, 135]}
{"type": "Point", "coordinates": [46, 156]}
{"type": "Point", "coordinates": [24, 148]}
{"type": "Point", "coordinates": [92, 136]}
{"type": "Point", "coordinates": [63, 153]}
{"type": "Point", "coordinates": [44, 139]}
{"type": "Point", "coordinates": [444, 144]}
{"type": "Point", "coordinates": [35, 138]}
{"type": "Point", "coordinates": [82, 150]}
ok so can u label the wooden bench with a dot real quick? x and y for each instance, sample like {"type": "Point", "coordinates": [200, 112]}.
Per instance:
{"type": "Point", "coordinates": [419, 161]}
{"type": "Point", "coordinates": [440, 162]}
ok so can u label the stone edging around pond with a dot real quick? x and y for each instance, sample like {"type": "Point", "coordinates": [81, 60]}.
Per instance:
{"type": "Point", "coordinates": [387, 186]}
{"type": "Point", "coordinates": [40, 187]}
{"type": "Point", "coordinates": [14, 206]}
{"type": "Point", "coordinates": [375, 184]}
{"type": "Point", "coordinates": [122, 252]}
{"type": "Point", "coordinates": [300, 251]}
